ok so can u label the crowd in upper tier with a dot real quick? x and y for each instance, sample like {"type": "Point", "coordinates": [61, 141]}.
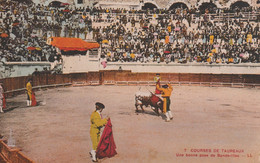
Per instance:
{"type": "Point", "coordinates": [177, 35]}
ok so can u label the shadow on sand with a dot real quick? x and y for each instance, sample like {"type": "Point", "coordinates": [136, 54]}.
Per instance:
{"type": "Point", "coordinates": [10, 109]}
{"type": "Point", "coordinates": [14, 105]}
{"type": "Point", "coordinates": [150, 112]}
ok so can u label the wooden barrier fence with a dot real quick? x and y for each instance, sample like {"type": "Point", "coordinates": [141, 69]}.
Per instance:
{"type": "Point", "coordinates": [16, 85]}
{"type": "Point", "coordinates": [12, 155]}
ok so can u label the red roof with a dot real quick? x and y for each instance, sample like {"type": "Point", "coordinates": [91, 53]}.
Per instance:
{"type": "Point", "coordinates": [72, 44]}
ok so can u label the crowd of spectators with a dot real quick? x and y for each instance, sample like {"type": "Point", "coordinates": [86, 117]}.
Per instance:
{"type": "Point", "coordinates": [160, 35]}
{"type": "Point", "coordinates": [163, 39]}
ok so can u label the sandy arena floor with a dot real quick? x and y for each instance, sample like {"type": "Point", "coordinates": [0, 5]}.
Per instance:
{"type": "Point", "coordinates": [210, 125]}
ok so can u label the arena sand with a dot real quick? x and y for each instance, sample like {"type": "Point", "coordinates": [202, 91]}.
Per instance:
{"type": "Point", "coordinates": [220, 124]}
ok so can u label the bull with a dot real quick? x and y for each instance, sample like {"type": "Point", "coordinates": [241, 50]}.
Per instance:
{"type": "Point", "coordinates": [148, 99]}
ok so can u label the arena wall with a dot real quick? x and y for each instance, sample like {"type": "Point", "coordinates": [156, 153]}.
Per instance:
{"type": "Point", "coordinates": [81, 64]}
{"type": "Point", "coordinates": [14, 86]}
{"type": "Point", "coordinates": [187, 68]}
{"type": "Point", "coordinates": [15, 69]}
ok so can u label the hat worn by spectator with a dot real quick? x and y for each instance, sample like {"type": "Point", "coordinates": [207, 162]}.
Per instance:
{"type": "Point", "coordinates": [100, 105]}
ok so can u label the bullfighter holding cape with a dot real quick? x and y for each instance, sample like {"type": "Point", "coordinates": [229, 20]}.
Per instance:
{"type": "Point", "coordinates": [166, 93]}
{"type": "Point", "coordinates": [29, 92]}
{"type": "Point", "coordinates": [31, 100]}
{"type": "Point", "coordinates": [106, 146]}
{"type": "Point", "coordinates": [96, 124]}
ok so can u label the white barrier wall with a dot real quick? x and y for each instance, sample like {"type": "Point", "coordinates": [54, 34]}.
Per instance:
{"type": "Point", "coordinates": [77, 64]}
{"type": "Point", "coordinates": [189, 68]}
{"type": "Point", "coordinates": [15, 69]}
{"type": "Point", "coordinates": [73, 64]}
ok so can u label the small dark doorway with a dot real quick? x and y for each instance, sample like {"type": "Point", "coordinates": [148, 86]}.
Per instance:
{"type": "Point", "coordinates": [178, 5]}
{"type": "Point", "coordinates": [239, 5]}
{"type": "Point", "coordinates": [80, 1]}
{"type": "Point", "coordinates": [149, 6]}
{"type": "Point", "coordinates": [211, 7]}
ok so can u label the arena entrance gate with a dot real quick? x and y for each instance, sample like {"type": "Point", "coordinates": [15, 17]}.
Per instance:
{"type": "Point", "coordinates": [207, 6]}
{"type": "Point", "coordinates": [149, 6]}
{"type": "Point", "coordinates": [178, 5]}
{"type": "Point", "coordinates": [239, 5]}
{"type": "Point", "coordinates": [57, 4]}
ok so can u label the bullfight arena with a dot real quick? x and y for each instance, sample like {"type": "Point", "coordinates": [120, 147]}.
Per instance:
{"type": "Point", "coordinates": [210, 124]}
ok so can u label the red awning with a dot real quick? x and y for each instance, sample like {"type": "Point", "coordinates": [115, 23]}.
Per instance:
{"type": "Point", "coordinates": [72, 44]}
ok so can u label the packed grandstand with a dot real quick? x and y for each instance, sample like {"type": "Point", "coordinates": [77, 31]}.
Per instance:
{"type": "Point", "coordinates": [179, 35]}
